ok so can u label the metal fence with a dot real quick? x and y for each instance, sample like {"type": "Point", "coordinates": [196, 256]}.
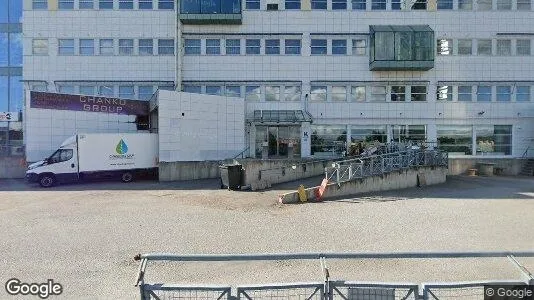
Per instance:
{"type": "Point", "coordinates": [325, 288]}
{"type": "Point", "coordinates": [347, 170]}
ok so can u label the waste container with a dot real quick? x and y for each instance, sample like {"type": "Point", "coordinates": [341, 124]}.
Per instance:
{"type": "Point", "coordinates": [231, 176]}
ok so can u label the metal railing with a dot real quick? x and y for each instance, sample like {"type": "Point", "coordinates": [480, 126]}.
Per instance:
{"type": "Point", "coordinates": [361, 167]}
{"type": "Point", "coordinates": [325, 288]}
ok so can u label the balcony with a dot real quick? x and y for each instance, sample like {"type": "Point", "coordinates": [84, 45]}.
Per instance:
{"type": "Point", "coordinates": [210, 12]}
{"type": "Point", "coordinates": [401, 48]}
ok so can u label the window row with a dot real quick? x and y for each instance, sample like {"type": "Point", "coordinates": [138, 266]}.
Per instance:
{"type": "Point", "coordinates": [482, 5]}
{"type": "Point", "coordinates": [332, 140]}
{"type": "Point", "coordinates": [91, 47]}
{"type": "Point", "coordinates": [488, 47]}
{"type": "Point", "coordinates": [251, 92]}
{"type": "Point", "coordinates": [485, 93]}
{"type": "Point", "coordinates": [13, 43]}
{"type": "Point", "coordinates": [126, 91]}
{"type": "Point", "coordinates": [106, 4]}
{"type": "Point", "coordinates": [274, 46]}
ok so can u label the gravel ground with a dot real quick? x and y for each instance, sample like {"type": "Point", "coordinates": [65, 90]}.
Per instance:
{"type": "Point", "coordinates": [84, 236]}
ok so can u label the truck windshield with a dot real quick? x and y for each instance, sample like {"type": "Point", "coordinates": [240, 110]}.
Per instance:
{"type": "Point", "coordinates": [60, 155]}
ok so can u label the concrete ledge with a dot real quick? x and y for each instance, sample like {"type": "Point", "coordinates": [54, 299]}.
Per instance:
{"type": "Point", "coordinates": [390, 181]}
{"type": "Point", "coordinates": [12, 167]}
{"type": "Point", "coordinates": [188, 170]}
{"type": "Point", "coordinates": [508, 166]}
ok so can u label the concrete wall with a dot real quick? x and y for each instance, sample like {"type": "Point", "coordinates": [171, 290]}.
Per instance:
{"type": "Point", "coordinates": [188, 170]}
{"type": "Point", "coordinates": [11, 167]}
{"type": "Point", "coordinates": [510, 166]}
{"type": "Point", "coordinates": [391, 181]}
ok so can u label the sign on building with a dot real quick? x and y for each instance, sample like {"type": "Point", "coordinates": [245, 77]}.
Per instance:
{"type": "Point", "coordinates": [9, 116]}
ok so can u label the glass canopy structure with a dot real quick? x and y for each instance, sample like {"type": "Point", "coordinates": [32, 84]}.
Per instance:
{"type": "Point", "coordinates": [210, 11]}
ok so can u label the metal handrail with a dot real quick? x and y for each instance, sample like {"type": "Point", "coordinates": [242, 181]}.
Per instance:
{"type": "Point", "coordinates": [242, 153]}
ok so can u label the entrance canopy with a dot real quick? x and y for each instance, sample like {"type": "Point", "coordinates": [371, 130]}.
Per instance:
{"type": "Point", "coordinates": [281, 116]}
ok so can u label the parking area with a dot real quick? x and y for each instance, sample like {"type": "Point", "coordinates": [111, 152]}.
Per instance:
{"type": "Point", "coordinates": [85, 236]}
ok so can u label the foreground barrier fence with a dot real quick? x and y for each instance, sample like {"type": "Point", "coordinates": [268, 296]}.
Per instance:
{"type": "Point", "coordinates": [325, 288]}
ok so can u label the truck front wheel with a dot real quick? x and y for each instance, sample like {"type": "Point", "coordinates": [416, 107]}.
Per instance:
{"type": "Point", "coordinates": [127, 177]}
{"type": "Point", "coordinates": [47, 180]}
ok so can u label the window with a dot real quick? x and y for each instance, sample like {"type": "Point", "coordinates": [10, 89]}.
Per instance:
{"type": "Point", "coordinates": [272, 93]}
{"type": "Point", "coordinates": [126, 47]}
{"type": "Point", "coordinates": [359, 47]}
{"type": "Point", "coordinates": [61, 155]}
{"type": "Point", "coordinates": [403, 133]}
{"type": "Point", "coordinates": [339, 4]}
{"type": "Point", "coordinates": [66, 47]}
{"type": "Point", "coordinates": [318, 93]}
{"type": "Point", "coordinates": [465, 4]}
{"type": "Point", "coordinates": [522, 93]}
{"type": "Point", "coordinates": [357, 94]}
{"type": "Point", "coordinates": [87, 47]}
{"type": "Point", "coordinates": [444, 93]}
{"type": "Point", "coordinates": [292, 93]}
{"type": "Point", "coordinates": [504, 4]}
{"type": "Point", "coordinates": [318, 47]}
{"type": "Point", "coordinates": [165, 4]}
{"type": "Point", "coordinates": [192, 47]}
{"type": "Point", "coordinates": [233, 47]}
{"type": "Point", "coordinates": [15, 49]}
{"type": "Point", "coordinates": [213, 90]}
{"type": "Point", "coordinates": [166, 47]}
{"type": "Point", "coordinates": [195, 89]}
{"type": "Point", "coordinates": [105, 4]}
{"type": "Point", "coordinates": [86, 4]}
{"type": "Point", "coordinates": [504, 47]}
{"type": "Point", "coordinates": [368, 134]}
{"type": "Point", "coordinates": [40, 4]}
{"type": "Point", "coordinates": [213, 47]}
{"type": "Point", "coordinates": [125, 4]}
{"type": "Point", "coordinates": [339, 47]}
{"type": "Point", "coordinates": [444, 4]}
{"type": "Point", "coordinates": [523, 4]}
{"type": "Point", "coordinates": [166, 87]}
{"type": "Point", "coordinates": [88, 90]}
{"type": "Point", "coordinates": [398, 93]}
{"type": "Point", "coordinates": [339, 93]}
{"type": "Point", "coordinates": [522, 47]}
{"type": "Point", "coordinates": [418, 93]}
{"type": "Point", "coordinates": [484, 47]}
{"type": "Point", "coordinates": [272, 47]}
{"type": "Point", "coordinates": [146, 47]}
{"type": "Point", "coordinates": [455, 139]}
{"type": "Point", "coordinates": [145, 4]}
{"type": "Point", "coordinates": [233, 91]}
{"type": "Point", "coordinates": [252, 93]}
{"type": "Point", "coordinates": [396, 4]}
{"type": "Point", "coordinates": [253, 46]}
{"type": "Point", "coordinates": [318, 4]}
{"type": "Point", "coordinates": [444, 47]}
{"type": "Point", "coordinates": [465, 47]}
{"type": "Point", "coordinates": [105, 90]}
{"type": "Point", "coordinates": [504, 94]}
{"type": "Point", "coordinates": [66, 89]}
{"type": "Point", "coordinates": [378, 4]}
{"type": "Point", "coordinates": [292, 47]}
{"type": "Point", "coordinates": [106, 47]}
{"type": "Point", "coordinates": [252, 4]}
{"type": "Point", "coordinates": [378, 94]}
{"type": "Point", "coordinates": [494, 139]}
{"type": "Point", "coordinates": [484, 4]}
{"type": "Point", "coordinates": [292, 4]}
{"type": "Point", "coordinates": [465, 94]}
{"type": "Point", "coordinates": [359, 5]}
{"type": "Point", "coordinates": [66, 4]}
{"type": "Point", "coordinates": [484, 93]}
{"type": "Point", "coordinates": [126, 92]}
{"type": "Point", "coordinates": [40, 46]}
{"type": "Point", "coordinates": [328, 140]}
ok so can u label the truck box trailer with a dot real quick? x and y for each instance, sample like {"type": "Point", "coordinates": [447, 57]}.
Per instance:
{"type": "Point", "coordinates": [98, 155]}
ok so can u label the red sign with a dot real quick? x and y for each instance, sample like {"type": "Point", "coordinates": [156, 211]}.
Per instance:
{"type": "Point", "coordinates": [88, 103]}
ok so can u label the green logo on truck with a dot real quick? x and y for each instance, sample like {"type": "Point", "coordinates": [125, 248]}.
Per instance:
{"type": "Point", "coordinates": [121, 148]}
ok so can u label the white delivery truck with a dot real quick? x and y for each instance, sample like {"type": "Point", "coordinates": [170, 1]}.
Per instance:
{"type": "Point", "coordinates": [98, 155]}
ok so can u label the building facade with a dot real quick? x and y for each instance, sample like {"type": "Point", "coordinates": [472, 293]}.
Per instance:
{"type": "Point", "coordinates": [316, 75]}
{"type": "Point", "coordinates": [11, 89]}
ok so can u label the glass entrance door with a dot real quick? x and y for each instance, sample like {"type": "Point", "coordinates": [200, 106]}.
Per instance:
{"type": "Point", "coordinates": [278, 139]}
